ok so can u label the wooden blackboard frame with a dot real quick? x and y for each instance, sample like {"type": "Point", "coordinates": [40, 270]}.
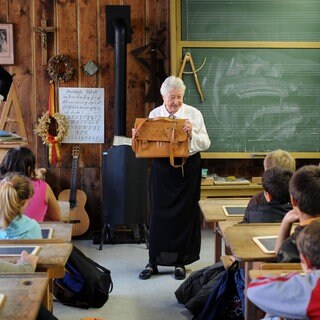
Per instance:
{"type": "Point", "coordinates": [177, 46]}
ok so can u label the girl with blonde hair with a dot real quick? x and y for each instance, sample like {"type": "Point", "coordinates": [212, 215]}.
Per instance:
{"type": "Point", "coordinates": [15, 191]}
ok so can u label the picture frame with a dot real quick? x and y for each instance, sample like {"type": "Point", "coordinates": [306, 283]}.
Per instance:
{"type": "Point", "coordinates": [6, 43]}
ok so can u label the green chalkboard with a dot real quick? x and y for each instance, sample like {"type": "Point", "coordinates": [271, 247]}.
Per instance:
{"type": "Point", "coordinates": [257, 100]}
{"type": "Point", "coordinates": [261, 78]}
{"type": "Point", "coordinates": [250, 20]}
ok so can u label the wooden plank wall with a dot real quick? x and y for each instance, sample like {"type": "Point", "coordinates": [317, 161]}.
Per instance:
{"type": "Point", "coordinates": [80, 33]}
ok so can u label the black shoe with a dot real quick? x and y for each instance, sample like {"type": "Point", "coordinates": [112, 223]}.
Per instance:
{"type": "Point", "coordinates": [179, 273]}
{"type": "Point", "coordinates": [148, 271]}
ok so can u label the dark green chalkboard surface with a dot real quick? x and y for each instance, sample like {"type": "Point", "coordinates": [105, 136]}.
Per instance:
{"type": "Point", "coordinates": [257, 100]}
{"type": "Point", "coordinates": [250, 20]}
{"type": "Point", "coordinates": [261, 78]}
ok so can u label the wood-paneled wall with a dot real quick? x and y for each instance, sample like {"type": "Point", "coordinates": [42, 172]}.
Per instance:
{"type": "Point", "coordinates": [81, 33]}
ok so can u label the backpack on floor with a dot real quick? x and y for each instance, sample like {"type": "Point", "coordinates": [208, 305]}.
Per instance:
{"type": "Point", "coordinates": [86, 284]}
{"type": "Point", "coordinates": [226, 299]}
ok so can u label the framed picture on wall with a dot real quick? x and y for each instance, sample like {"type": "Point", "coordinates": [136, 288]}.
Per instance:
{"type": "Point", "coordinates": [6, 44]}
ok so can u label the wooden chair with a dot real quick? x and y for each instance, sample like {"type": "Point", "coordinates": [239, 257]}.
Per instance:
{"type": "Point", "coordinates": [292, 266]}
{"type": "Point", "coordinates": [227, 260]}
{"type": "Point", "coordinates": [276, 269]}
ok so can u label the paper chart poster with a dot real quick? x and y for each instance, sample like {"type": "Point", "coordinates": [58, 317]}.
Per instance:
{"type": "Point", "coordinates": [84, 109]}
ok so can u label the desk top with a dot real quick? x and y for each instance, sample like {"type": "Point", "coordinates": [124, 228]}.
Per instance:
{"type": "Point", "coordinates": [23, 295]}
{"type": "Point", "coordinates": [52, 258]}
{"type": "Point", "coordinates": [233, 186]}
{"type": "Point", "coordinates": [213, 212]}
{"type": "Point", "coordinates": [62, 232]}
{"type": "Point", "coordinates": [239, 238]}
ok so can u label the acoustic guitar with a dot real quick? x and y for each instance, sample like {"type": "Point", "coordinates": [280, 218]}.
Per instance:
{"type": "Point", "coordinates": [77, 199]}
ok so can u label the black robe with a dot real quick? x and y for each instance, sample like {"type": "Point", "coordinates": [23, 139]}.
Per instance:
{"type": "Point", "coordinates": [175, 228]}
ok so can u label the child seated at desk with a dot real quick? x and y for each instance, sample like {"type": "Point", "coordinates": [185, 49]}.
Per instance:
{"type": "Point", "coordinates": [43, 205]}
{"type": "Point", "coordinates": [293, 296]}
{"type": "Point", "coordinates": [275, 182]}
{"type": "Point", "coordinates": [15, 190]}
{"type": "Point", "coordinates": [27, 263]}
{"type": "Point", "coordinates": [277, 158]}
{"type": "Point", "coordinates": [304, 188]}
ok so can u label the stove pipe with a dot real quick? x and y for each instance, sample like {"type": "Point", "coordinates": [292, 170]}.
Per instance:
{"type": "Point", "coordinates": [118, 27]}
{"type": "Point", "coordinates": [120, 87]}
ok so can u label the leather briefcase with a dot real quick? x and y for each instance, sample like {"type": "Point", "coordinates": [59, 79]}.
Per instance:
{"type": "Point", "coordinates": [160, 138]}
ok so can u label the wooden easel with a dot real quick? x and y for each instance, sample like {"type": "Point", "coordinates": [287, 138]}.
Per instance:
{"type": "Point", "coordinates": [11, 118]}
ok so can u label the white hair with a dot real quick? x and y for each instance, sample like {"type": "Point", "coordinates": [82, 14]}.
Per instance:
{"type": "Point", "coordinates": [170, 83]}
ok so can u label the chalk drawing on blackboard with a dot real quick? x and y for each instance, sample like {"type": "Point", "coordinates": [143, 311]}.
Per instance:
{"type": "Point", "coordinates": [84, 109]}
{"type": "Point", "coordinates": [258, 100]}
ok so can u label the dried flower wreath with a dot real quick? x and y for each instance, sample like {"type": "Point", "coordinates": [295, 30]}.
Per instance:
{"type": "Point", "coordinates": [42, 128]}
{"type": "Point", "coordinates": [60, 68]}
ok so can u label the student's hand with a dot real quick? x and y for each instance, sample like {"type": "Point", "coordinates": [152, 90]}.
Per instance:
{"type": "Point", "coordinates": [27, 258]}
{"type": "Point", "coordinates": [41, 173]}
{"type": "Point", "coordinates": [285, 227]}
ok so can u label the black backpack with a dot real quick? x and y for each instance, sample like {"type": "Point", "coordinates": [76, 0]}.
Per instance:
{"type": "Point", "coordinates": [86, 284]}
{"type": "Point", "coordinates": [226, 299]}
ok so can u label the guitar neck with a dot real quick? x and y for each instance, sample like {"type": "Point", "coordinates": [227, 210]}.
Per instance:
{"type": "Point", "coordinates": [73, 183]}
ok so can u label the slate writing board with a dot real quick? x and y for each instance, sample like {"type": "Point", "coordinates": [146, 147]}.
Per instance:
{"type": "Point", "coordinates": [234, 211]}
{"type": "Point", "coordinates": [266, 243]}
{"type": "Point", "coordinates": [16, 250]}
{"type": "Point", "coordinates": [47, 233]}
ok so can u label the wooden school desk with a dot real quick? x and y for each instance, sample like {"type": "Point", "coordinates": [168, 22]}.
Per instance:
{"type": "Point", "coordinates": [213, 213]}
{"type": "Point", "coordinates": [62, 232]}
{"type": "Point", "coordinates": [23, 295]}
{"type": "Point", "coordinates": [239, 190]}
{"type": "Point", "coordinates": [238, 238]}
{"type": "Point", "coordinates": [52, 260]}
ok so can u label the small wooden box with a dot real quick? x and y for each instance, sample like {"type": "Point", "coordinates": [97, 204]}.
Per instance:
{"type": "Point", "coordinates": [256, 180]}
{"type": "Point", "coordinates": [206, 181]}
